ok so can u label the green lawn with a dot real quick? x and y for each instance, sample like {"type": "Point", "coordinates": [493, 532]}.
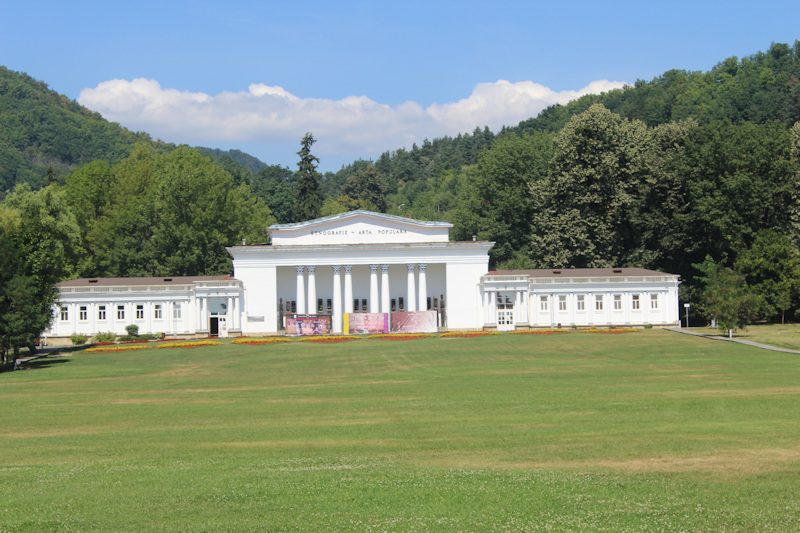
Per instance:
{"type": "Point", "coordinates": [579, 431]}
{"type": "Point", "coordinates": [782, 335]}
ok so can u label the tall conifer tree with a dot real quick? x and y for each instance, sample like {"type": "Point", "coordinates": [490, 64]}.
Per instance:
{"type": "Point", "coordinates": [309, 195]}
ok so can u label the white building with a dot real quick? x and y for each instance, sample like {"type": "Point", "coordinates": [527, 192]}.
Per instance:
{"type": "Point", "coordinates": [364, 263]}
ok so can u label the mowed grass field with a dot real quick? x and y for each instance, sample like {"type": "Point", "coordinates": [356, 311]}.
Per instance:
{"type": "Point", "coordinates": [641, 431]}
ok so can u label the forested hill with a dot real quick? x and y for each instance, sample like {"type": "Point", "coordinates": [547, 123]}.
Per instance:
{"type": "Point", "coordinates": [762, 87]}
{"type": "Point", "coordinates": [44, 135]}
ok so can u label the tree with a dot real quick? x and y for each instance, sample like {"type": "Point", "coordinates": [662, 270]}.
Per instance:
{"type": "Point", "coordinates": [275, 185]}
{"type": "Point", "coordinates": [587, 216]}
{"type": "Point", "coordinates": [497, 204]}
{"type": "Point", "coordinates": [309, 197]}
{"type": "Point", "coordinates": [367, 186]}
{"type": "Point", "coordinates": [772, 269]}
{"type": "Point", "coordinates": [39, 240]}
{"type": "Point", "coordinates": [726, 296]}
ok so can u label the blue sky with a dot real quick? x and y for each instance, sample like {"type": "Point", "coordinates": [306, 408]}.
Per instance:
{"type": "Point", "coordinates": [364, 77]}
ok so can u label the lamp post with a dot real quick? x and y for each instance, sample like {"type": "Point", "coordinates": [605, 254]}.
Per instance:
{"type": "Point", "coordinates": [687, 306]}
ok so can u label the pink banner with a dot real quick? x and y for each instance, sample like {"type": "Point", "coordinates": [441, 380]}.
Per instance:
{"type": "Point", "coordinates": [414, 322]}
{"type": "Point", "coordinates": [308, 325]}
{"type": "Point", "coordinates": [367, 323]}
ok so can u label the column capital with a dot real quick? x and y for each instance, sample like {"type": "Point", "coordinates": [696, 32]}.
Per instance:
{"type": "Point", "coordinates": [373, 269]}
{"type": "Point", "coordinates": [300, 270]}
{"type": "Point", "coordinates": [411, 267]}
{"type": "Point", "coordinates": [385, 269]}
{"type": "Point", "coordinates": [312, 269]}
{"type": "Point", "coordinates": [336, 269]}
{"type": "Point", "coordinates": [422, 266]}
{"type": "Point", "coordinates": [348, 269]}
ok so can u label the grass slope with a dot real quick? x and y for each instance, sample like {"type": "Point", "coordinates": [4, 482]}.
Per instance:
{"type": "Point", "coordinates": [643, 431]}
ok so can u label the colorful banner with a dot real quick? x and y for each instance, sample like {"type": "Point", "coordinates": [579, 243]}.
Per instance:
{"type": "Point", "coordinates": [366, 323]}
{"type": "Point", "coordinates": [308, 324]}
{"type": "Point", "coordinates": [414, 322]}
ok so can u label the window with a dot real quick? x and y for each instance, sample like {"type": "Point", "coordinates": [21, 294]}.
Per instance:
{"type": "Point", "coordinates": [504, 301]}
{"type": "Point", "coordinates": [292, 306]}
{"type": "Point", "coordinates": [429, 303]}
{"type": "Point", "coordinates": [356, 306]}
{"type": "Point", "coordinates": [101, 312]}
{"type": "Point", "coordinates": [543, 303]}
{"type": "Point", "coordinates": [140, 311]}
{"type": "Point", "coordinates": [121, 312]}
{"type": "Point", "coordinates": [82, 314]}
{"type": "Point", "coordinates": [64, 314]}
{"type": "Point", "coordinates": [319, 306]}
{"type": "Point", "coordinates": [562, 303]}
{"type": "Point", "coordinates": [581, 303]}
{"type": "Point", "coordinates": [654, 301]}
{"type": "Point", "coordinates": [363, 305]}
{"type": "Point", "coordinates": [176, 311]}
{"type": "Point", "coordinates": [635, 301]}
{"type": "Point", "coordinates": [598, 302]}
{"type": "Point", "coordinates": [157, 311]}
{"type": "Point", "coordinates": [394, 305]}
{"type": "Point", "coordinates": [617, 302]}
{"type": "Point", "coordinates": [401, 303]}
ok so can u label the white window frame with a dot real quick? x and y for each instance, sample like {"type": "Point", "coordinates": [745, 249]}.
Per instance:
{"type": "Point", "coordinates": [598, 302]}
{"type": "Point", "coordinates": [139, 311]}
{"type": "Point", "coordinates": [581, 303]}
{"type": "Point", "coordinates": [64, 313]}
{"type": "Point", "coordinates": [176, 311]}
{"type": "Point", "coordinates": [120, 312]}
{"type": "Point", "coordinates": [101, 312]}
{"type": "Point", "coordinates": [562, 302]}
{"type": "Point", "coordinates": [654, 301]}
{"type": "Point", "coordinates": [635, 301]}
{"type": "Point", "coordinates": [83, 313]}
{"type": "Point", "coordinates": [543, 303]}
{"type": "Point", "coordinates": [157, 312]}
{"type": "Point", "coordinates": [617, 302]}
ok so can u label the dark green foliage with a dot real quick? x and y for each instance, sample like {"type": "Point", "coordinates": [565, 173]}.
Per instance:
{"type": "Point", "coordinates": [309, 195]}
{"type": "Point", "coordinates": [726, 296]}
{"type": "Point", "coordinates": [275, 185]}
{"type": "Point", "coordinates": [368, 187]}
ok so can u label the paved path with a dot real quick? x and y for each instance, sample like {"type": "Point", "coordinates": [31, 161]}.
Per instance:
{"type": "Point", "coordinates": [740, 341]}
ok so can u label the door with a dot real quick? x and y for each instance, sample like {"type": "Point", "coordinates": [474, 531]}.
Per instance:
{"type": "Point", "coordinates": [213, 326]}
{"type": "Point", "coordinates": [505, 311]}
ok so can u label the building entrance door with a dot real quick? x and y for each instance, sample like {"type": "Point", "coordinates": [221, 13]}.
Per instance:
{"type": "Point", "coordinates": [505, 311]}
{"type": "Point", "coordinates": [213, 326]}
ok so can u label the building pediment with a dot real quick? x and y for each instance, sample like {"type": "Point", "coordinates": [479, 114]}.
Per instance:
{"type": "Point", "coordinates": [359, 227]}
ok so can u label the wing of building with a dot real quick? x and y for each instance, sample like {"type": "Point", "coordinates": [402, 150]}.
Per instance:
{"type": "Point", "coordinates": [364, 263]}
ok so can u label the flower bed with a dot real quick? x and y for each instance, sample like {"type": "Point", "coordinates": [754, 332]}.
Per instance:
{"type": "Point", "coordinates": [115, 348]}
{"type": "Point", "coordinates": [609, 330]}
{"type": "Point", "coordinates": [467, 334]}
{"type": "Point", "coordinates": [262, 340]}
{"type": "Point", "coordinates": [538, 331]}
{"type": "Point", "coordinates": [189, 344]}
{"type": "Point", "coordinates": [400, 336]}
{"type": "Point", "coordinates": [329, 338]}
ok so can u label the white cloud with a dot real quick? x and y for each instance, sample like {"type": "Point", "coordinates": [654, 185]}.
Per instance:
{"type": "Point", "coordinates": [355, 125]}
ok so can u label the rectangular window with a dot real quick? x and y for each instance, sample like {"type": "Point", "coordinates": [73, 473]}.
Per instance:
{"type": "Point", "coordinates": [82, 314]}
{"type": "Point", "coordinates": [562, 303]}
{"type": "Point", "coordinates": [581, 303]}
{"type": "Point", "coordinates": [598, 302]}
{"type": "Point", "coordinates": [635, 301]}
{"type": "Point", "coordinates": [363, 305]}
{"type": "Point", "coordinates": [617, 302]}
{"type": "Point", "coordinates": [543, 303]}
{"type": "Point", "coordinates": [330, 306]}
{"type": "Point", "coordinates": [176, 311]}
{"type": "Point", "coordinates": [319, 306]}
{"type": "Point", "coordinates": [157, 311]}
{"type": "Point", "coordinates": [654, 301]}
{"type": "Point", "coordinates": [101, 312]}
{"type": "Point", "coordinates": [292, 306]}
{"type": "Point", "coordinates": [356, 306]}
{"type": "Point", "coordinates": [401, 304]}
{"type": "Point", "coordinates": [140, 311]}
{"type": "Point", "coordinates": [394, 305]}
{"type": "Point", "coordinates": [64, 314]}
{"type": "Point", "coordinates": [120, 312]}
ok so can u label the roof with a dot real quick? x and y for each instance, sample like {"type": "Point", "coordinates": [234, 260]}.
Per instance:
{"type": "Point", "coordinates": [141, 282]}
{"type": "Point", "coordinates": [579, 272]}
{"type": "Point", "coordinates": [349, 214]}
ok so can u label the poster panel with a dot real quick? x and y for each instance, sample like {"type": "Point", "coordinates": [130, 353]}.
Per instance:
{"type": "Point", "coordinates": [308, 325]}
{"type": "Point", "coordinates": [414, 322]}
{"type": "Point", "coordinates": [366, 323]}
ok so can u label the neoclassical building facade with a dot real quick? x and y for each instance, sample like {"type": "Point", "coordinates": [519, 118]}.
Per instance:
{"type": "Point", "coordinates": [357, 265]}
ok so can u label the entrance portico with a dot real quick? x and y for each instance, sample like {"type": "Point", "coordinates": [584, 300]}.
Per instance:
{"type": "Point", "coordinates": [360, 262]}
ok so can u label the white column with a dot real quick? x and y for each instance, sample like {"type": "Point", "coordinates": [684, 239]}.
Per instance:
{"type": "Point", "coordinates": [486, 306]}
{"type": "Point", "coordinates": [202, 319]}
{"type": "Point", "coordinates": [386, 304]}
{"type": "Point", "coordinates": [423, 287]}
{"type": "Point", "coordinates": [300, 297]}
{"type": "Point", "coordinates": [373, 289]}
{"type": "Point", "coordinates": [336, 319]}
{"type": "Point", "coordinates": [518, 313]}
{"type": "Point", "coordinates": [348, 288]}
{"type": "Point", "coordinates": [411, 304]}
{"type": "Point", "coordinates": [312, 290]}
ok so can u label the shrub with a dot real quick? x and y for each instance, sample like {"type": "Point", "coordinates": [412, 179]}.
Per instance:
{"type": "Point", "coordinates": [104, 337]}
{"type": "Point", "coordinates": [78, 339]}
{"type": "Point", "coordinates": [133, 330]}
